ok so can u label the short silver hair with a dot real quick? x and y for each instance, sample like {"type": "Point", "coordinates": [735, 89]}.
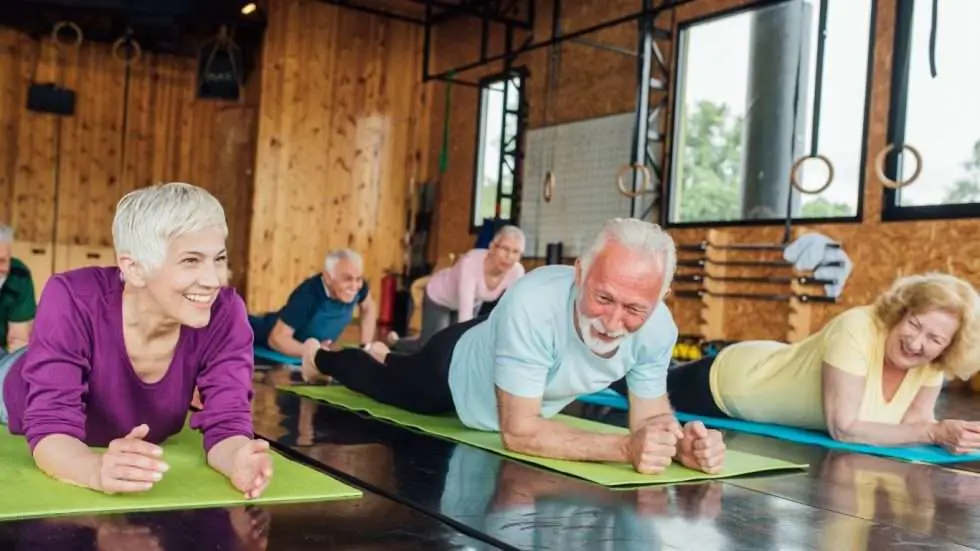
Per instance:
{"type": "Point", "coordinates": [637, 235]}
{"type": "Point", "coordinates": [6, 234]}
{"type": "Point", "coordinates": [149, 218]}
{"type": "Point", "coordinates": [512, 232]}
{"type": "Point", "coordinates": [334, 257]}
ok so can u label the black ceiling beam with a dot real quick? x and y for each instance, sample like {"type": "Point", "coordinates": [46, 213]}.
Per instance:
{"type": "Point", "coordinates": [534, 45]}
{"type": "Point", "coordinates": [451, 9]}
{"type": "Point", "coordinates": [353, 5]}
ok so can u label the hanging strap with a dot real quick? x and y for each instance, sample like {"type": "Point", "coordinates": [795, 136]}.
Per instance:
{"type": "Point", "coordinates": [818, 79]}
{"type": "Point", "coordinates": [933, 37]}
{"type": "Point", "coordinates": [444, 152]}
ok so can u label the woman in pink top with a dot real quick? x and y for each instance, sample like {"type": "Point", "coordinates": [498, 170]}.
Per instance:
{"type": "Point", "coordinates": [455, 294]}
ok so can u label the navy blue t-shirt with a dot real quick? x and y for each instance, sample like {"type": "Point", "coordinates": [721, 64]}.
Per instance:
{"type": "Point", "coordinates": [310, 312]}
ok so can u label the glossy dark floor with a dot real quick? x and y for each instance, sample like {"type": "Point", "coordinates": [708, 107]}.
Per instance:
{"type": "Point", "coordinates": [842, 502]}
{"type": "Point", "coordinates": [424, 493]}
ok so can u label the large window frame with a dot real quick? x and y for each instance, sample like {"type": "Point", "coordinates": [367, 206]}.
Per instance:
{"type": "Point", "coordinates": [511, 158]}
{"type": "Point", "coordinates": [891, 208]}
{"type": "Point", "coordinates": [671, 131]}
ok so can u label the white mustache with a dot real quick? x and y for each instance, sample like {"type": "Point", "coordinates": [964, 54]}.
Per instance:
{"type": "Point", "coordinates": [597, 324]}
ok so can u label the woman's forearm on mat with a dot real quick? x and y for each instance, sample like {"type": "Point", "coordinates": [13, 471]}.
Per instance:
{"type": "Point", "coordinates": [69, 460]}
{"type": "Point", "coordinates": [881, 434]}
{"type": "Point", "coordinates": [221, 457]}
{"type": "Point", "coordinates": [554, 439]}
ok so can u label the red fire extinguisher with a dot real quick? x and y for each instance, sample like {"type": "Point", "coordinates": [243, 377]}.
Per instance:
{"type": "Point", "coordinates": [389, 289]}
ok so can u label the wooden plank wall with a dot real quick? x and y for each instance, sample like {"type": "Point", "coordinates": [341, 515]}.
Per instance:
{"type": "Point", "coordinates": [881, 255]}
{"type": "Point", "coordinates": [60, 177]}
{"type": "Point", "coordinates": [343, 130]}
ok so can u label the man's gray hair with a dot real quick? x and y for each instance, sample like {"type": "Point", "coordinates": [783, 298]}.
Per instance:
{"type": "Point", "coordinates": [6, 234]}
{"type": "Point", "coordinates": [334, 257]}
{"type": "Point", "coordinates": [636, 235]}
{"type": "Point", "coordinates": [148, 219]}
{"type": "Point", "coordinates": [512, 232]}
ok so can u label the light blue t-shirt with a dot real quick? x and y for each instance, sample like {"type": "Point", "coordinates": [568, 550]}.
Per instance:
{"type": "Point", "coordinates": [529, 348]}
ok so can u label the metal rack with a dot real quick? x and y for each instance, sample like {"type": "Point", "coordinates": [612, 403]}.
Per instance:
{"type": "Point", "coordinates": [517, 19]}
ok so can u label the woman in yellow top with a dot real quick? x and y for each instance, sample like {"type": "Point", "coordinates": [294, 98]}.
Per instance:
{"type": "Point", "coordinates": [871, 375]}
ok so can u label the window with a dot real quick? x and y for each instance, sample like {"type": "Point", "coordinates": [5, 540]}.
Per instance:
{"type": "Point", "coordinates": [746, 88]}
{"type": "Point", "coordinates": [939, 116]}
{"type": "Point", "coordinates": [498, 147]}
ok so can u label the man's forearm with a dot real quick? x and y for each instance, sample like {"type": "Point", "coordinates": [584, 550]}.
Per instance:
{"type": "Point", "coordinates": [222, 455]}
{"type": "Point", "coordinates": [556, 440]}
{"type": "Point", "coordinates": [69, 460]}
{"type": "Point", "coordinates": [882, 434]}
{"type": "Point", "coordinates": [369, 325]}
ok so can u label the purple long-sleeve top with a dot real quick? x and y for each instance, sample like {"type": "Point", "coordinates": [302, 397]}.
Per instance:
{"type": "Point", "coordinates": [76, 378]}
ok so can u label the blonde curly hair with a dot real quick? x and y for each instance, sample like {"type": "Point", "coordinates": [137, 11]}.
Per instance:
{"type": "Point", "coordinates": [937, 291]}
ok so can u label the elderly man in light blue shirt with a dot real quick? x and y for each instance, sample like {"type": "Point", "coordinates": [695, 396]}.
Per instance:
{"type": "Point", "coordinates": [558, 333]}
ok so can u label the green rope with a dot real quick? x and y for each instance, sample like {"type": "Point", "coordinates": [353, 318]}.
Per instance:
{"type": "Point", "coordinates": [444, 154]}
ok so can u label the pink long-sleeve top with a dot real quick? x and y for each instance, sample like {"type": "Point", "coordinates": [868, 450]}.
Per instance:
{"type": "Point", "coordinates": [76, 378]}
{"type": "Point", "coordinates": [463, 286]}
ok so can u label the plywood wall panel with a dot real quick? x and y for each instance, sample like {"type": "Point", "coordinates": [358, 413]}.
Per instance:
{"type": "Point", "coordinates": [61, 177]}
{"type": "Point", "coordinates": [339, 119]}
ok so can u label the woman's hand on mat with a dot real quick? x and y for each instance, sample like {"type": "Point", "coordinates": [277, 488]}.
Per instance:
{"type": "Point", "coordinates": [252, 468]}
{"type": "Point", "coordinates": [702, 449]}
{"type": "Point", "coordinates": [957, 436]}
{"type": "Point", "coordinates": [653, 446]}
{"type": "Point", "coordinates": [130, 464]}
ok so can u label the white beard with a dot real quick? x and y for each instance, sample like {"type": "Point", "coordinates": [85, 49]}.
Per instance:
{"type": "Point", "coordinates": [3, 279]}
{"type": "Point", "coordinates": [599, 346]}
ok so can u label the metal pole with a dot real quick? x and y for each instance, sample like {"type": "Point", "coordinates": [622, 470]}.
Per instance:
{"type": "Point", "coordinates": [375, 11]}
{"type": "Point", "coordinates": [643, 72]}
{"type": "Point", "coordinates": [606, 47]}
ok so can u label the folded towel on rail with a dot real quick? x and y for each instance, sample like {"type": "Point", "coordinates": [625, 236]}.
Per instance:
{"type": "Point", "coordinates": [820, 254]}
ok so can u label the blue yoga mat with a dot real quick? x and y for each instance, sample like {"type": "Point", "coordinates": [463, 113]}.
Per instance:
{"type": "Point", "coordinates": [922, 454]}
{"type": "Point", "coordinates": [278, 357]}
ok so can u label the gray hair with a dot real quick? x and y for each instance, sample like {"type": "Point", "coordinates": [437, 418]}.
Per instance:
{"type": "Point", "coordinates": [636, 235]}
{"type": "Point", "coordinates": [512, 232]}
{"type": "Point", "coordinates": [334, 257]}
{"type": "Point", "coordinates": [6, 234]}
{"type": "Point", "coordinates": [147, 219]}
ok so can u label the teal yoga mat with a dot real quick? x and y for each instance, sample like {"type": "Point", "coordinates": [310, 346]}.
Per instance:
{"type": "Point", "coordinates": [278, 357]}
{"type": "Point", "coordinates": [270, 355]}
{"type": "Point", "coordinates": [921, 454]}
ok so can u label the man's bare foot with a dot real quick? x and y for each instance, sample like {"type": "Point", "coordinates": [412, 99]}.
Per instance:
{"type": "Point", "coordinates": [308, 369]}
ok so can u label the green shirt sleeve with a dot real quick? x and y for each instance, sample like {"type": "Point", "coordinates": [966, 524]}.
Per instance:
{"type": "Point", "coordinates": [21, 281]}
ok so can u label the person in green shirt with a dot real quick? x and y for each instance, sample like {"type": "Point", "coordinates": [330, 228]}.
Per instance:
{"type": "Point", "coordinates": [17, 302]}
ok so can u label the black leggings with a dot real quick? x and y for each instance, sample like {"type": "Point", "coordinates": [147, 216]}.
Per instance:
{"type": "Point", "coordinates": [416, 382]}
{"type": "Point", "coordinates": [688, 387]}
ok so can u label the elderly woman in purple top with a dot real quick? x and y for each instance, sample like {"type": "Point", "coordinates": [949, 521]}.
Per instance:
{"type": "Point", "coordinates": [116, 354]}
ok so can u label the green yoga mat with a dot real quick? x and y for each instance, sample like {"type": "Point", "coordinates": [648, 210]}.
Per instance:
{"type": "Point", "coordinates": [189, 484]}
{"type": "Point", "coordinates": [607, 474]}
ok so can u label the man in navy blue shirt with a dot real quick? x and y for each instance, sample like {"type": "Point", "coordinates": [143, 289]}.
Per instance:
{"type": "Point", "coordinates": [320, 308]}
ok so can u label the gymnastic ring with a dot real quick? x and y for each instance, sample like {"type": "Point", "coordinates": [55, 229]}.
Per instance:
{"type": "Point", "coordinates": [63, 24]}
{"type": "Point", "coordinates": [548, 187]}
{"type": "Point", "coordinates": [880, 170]}
{"type": "Point", "coordinates": [137, 51]}
{"type": "Point", "coordinates": [794, 174]}
{"type": "Point", "coordinates": [647, 176]}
